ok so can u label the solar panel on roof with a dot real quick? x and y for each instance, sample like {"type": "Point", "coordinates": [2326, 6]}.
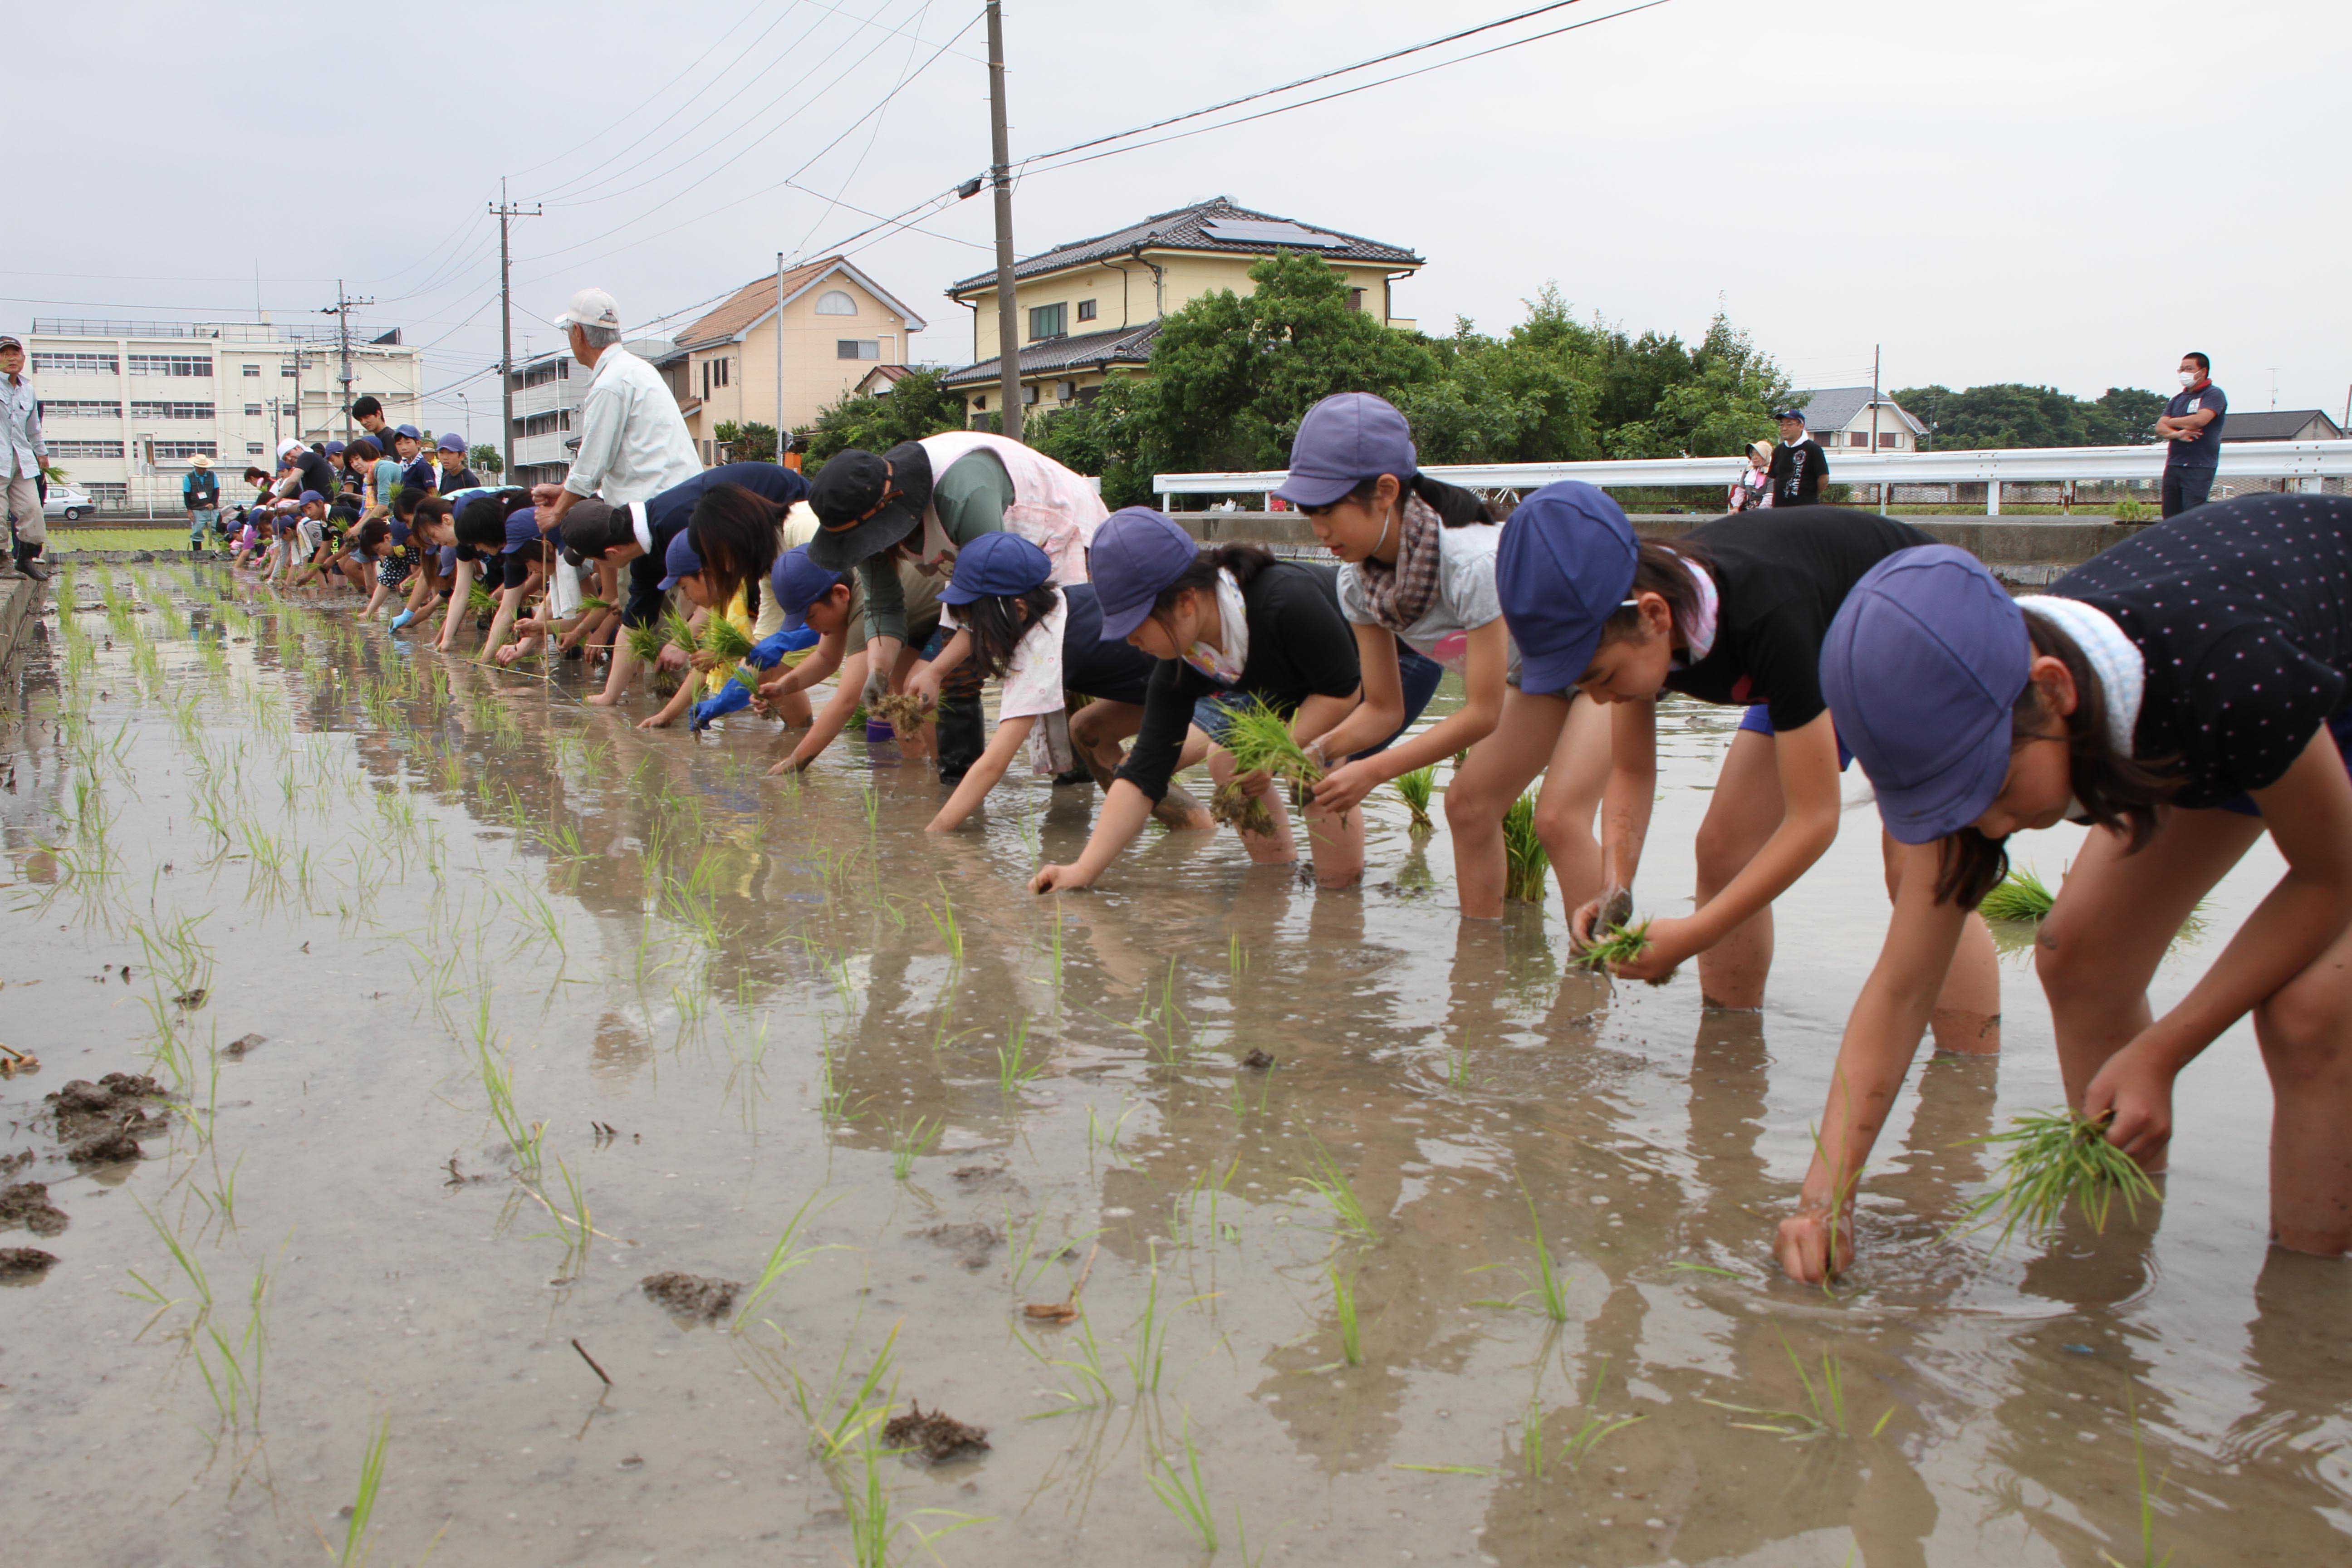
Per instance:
{"type": "Point", "coordinates": [1268, 231]}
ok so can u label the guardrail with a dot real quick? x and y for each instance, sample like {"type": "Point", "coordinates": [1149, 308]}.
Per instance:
{"type": "Point", "coordinates": [2025, 464]}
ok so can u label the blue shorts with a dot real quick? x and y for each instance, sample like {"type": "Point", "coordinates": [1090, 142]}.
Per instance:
{"type": "Point", "coordinates": [1758, 720]}
{"type": "Point", "coordinates": [1416, 672]}
{"type": "Point", "coordinates": [2340, 727]}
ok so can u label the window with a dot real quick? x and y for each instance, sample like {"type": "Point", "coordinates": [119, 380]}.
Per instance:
{"type": "Point", "coordinates": [1355, 299]}
{"type": "Point", "coordinates": [1086, 309]}
{"type": "Point", "coordinates": [254, 371]}
{"type": "Point", "coordinates": [714, 373]}
{"type": "Point", "coordinates": [857, 347]}
{"type": "Point", "coordinates": [85, 449]}
{"type": "Point", "coordinates": [1858, 439]}
{"type": "Point", "coordinates": [1047, 321]}
{"type": "Point", "coordinates": [253, 448]}
{"type": "Point", "coordinates": [1887, 439]}
{"type": "Point", "coordinates": [80, 409]}
{"type": "Point", "coordinates": [75, 364]}
{"type": "Point", "coordinates": [171, 364]}
{"type": "Point", "coordinates": [288, 371]}
{"type": "Point", "coordinates": [116, 493]}
{"type": "Point", "coordinates": [170, 410]}
{"type": "Point", "coordinates": [979, 404]}
{"type": "Point", "coordinates": [253, 411]}
{"type": "Point", "coordinates": [181, 451]}
{"type": "Point", "coordinates": [835, 302]}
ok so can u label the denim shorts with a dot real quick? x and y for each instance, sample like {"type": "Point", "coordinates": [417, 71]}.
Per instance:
{"type": "Point", "coordinates": [1758, 720]}
{"type": "Point", "coordinates": [1418, 673]}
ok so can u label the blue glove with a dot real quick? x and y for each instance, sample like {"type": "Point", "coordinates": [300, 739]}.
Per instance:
{"type": "Point", "coordinates": [735, 698]}
{"type": "Point", "coordinates": [403, 618]}
{"type": "Point", "coordinates": [770, 651]}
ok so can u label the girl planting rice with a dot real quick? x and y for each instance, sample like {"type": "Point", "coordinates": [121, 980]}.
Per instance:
{"type": "Point", "coordinates": [2183, 693]}
{"type": "Point", "coordinates": [1733, 612]}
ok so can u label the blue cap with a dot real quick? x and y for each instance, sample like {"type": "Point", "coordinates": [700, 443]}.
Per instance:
{"type": "Point", "coordinates": [409, 431]}
{"type": "Point", "coordinates": [797, 582]}
{"type": "Point", "coordinates": [1137, 554]}
{"type": "Point", "coordinates": [1562, 569]}
{"type": "Point", "coordinates": [336, 449]}
{"type": "Point", "coordinates": [995, 563]}
{"type": "Point", "coordinates": [1921, 667]}
{"type": "Point", "coordinates": [1347, 438]}
{"type": "Point", "coordinates": [451, 441]}
{"type": "Point", "coordinates": [680, 560]}
{"type": "Point", "coordinates": [400, 531]}
{"type": "Point", "coordinates": [522, 531]}
{"type": "Point", "coordinates": [309, 496]}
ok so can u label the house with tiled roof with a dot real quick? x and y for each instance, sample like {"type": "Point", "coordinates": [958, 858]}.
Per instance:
{"type": "Point", "coordinates": [1092, 307]}
{"type": "Point", "coordinates": [1854, 419]}
{"type": "Point", "coordinates": [838, 324]}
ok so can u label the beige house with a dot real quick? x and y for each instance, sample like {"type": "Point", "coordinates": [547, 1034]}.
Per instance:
{"type": "Point", "coordinates": [1849, 418]}
{"type": "Point", "coordinates": [837, 323]}
{"type": "Point", "coordinates": [1094, 306]}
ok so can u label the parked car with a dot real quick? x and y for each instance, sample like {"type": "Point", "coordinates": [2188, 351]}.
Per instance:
{"type": "Point", "coordinates": [66, 501]}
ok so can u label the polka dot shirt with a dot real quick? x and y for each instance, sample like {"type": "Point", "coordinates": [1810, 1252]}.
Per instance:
{"type": "Point", "coordinates": [2241, 610]}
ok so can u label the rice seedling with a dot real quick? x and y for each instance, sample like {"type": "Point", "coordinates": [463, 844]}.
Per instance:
{"type": "Point", "coordinates": [677, 631]}
{"type": "Point", "coordinates": [1330, 1184]}
{"type": "Point", "coordinates": [788, 1254]}
{"type": "Point", "coordinates": [1185, 1492]}
{"type": "Point", "coordinates": [362, 1507]}
{"type": "Point", "coordinates": [874, 1528]}
{"type": "Point", "coordinates": [1550, 1289]}
{"type": "Point", "coordinates": [1416, 788]}
{"type": "Point", "coordinates": [1107, 1138]}
{"type": "Point", "coordinates": [2147, 1496]}
{"type": "Point", "coordinates": [1527, 869]}
{"type": "Point", "coordinates": [480, 601]}
{"type": "Point", "coordinates": [724, 640]}
{"type": "Point", "coordinates": [943, 920]}
{"type": "Point", "coordinates": [835, 1420]}
{"type": "Point", "coordinates": [904, 712]}
{"type": "Point", "coordinates": [2019, 896]}
{"type": "Point", "coordinates": [1145, 1361]}
{"type": "Point", "coordinates": [2056, 1157]}
{"type": "Point", "coordinates": [910, 1142]}
{"type": "Point", "coordinates": [1160, 1023]}
{"type": "Point", "coordinates": [497, 1082]}
{"type": "Point", "coordinates": [646, 642]}
{"type": "Point", "coordinates": [1578, 1445]}
{"type": "Point", "coordinates": [1258, 739]}
{"type": "Point", "coordinates": [1825, 1398]}
{"type": "Point", "coordinates": [1619, 944]}
{"type": "Point", "coordinates": [1014, 1066]}
{"type": "Point", "coordinates": [1343, 1307]}
{"type": "Point", "coordinates": [1237, 956]}
{"type": "Point", "coordinates": [1233, 806]}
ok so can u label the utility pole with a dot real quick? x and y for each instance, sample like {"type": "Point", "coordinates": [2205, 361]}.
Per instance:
{"type": "Point", "coordinates": [1000, 172]}
{"type": "Point", "coordinates": [1874, 419]}
{"type": "Point", "coordinates": [780, 359]}
{"type": "Point", "coordinates": [507, 211]}
{"type": "Point", "coordinates": [341, 310]}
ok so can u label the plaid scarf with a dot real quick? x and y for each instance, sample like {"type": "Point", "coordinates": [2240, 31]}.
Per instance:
{"type": "Point", "coordinates": [1398, 595]}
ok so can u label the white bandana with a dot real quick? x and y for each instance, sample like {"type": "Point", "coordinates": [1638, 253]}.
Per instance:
{"type": "Point", "coordinates": [2112, 655]}
{"type": "Point", "coordinates": [1698, 637]}
{"type": "Point", "coordinates": [1224, 663]}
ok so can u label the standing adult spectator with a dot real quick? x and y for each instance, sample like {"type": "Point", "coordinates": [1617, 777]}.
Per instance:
{"type": "Point", "coordinates": [200, 493]}
{"type": "Point", "coordinates": [2192, 428]}
{"type": "Point", "coordinates": [1798, 467]}
{"type": "Point", "coordinates": [1753, 490]}
{"type": "Point", "coordinates": [22, 456]}
{"type": "Point", "coordinates": [454, 475]}
{"type": "Point", "coordinates": [633, 440]}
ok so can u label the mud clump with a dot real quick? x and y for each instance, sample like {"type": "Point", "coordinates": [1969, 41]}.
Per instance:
{"type": "Point", "coordinates": [242, 1044]}
{"type": "Point", "coordinates": [972, 1243]}
{"type": "Point", "coordinates": [27, 1204]}
{"type": "Point", "coordinates": [1258, 1060]}
{"type": "Point", "coordinates": [25, 1262]}
{"type": "Point", "coordinates": [102, 1123]}
{"type": "Point", "coordinates": [936, 1435]}
{"type": "Point", "coordinates": [692, 1295]}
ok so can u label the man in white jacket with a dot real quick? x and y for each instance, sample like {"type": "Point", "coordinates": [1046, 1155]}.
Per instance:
{"type": "Point", "coordinates": [633, 440]}
{"type": "Point", "coordinates": [22, 456]}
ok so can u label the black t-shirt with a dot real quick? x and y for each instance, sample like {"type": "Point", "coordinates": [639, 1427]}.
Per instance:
{"type": "Point", "coordinates": [2205, 452]}
{"type": "Point", "coordinates": [668, 512]}
{"type": "Point", "coordinates": [1299, 647]}
{"type": "Point", "coordinates": [1797, 473]}
{"type": "Point", "coordinates": [446, 481]}
{"type": "Point", "coordinates": [1117, 671]}
{"type": "Point", "coordinates": [2242, 615]}
{"type": "Point", "coordinates": [1780, 576]}
{"type": "Point", "coordinates": [318, 474]}
{"type": "Point", "coordinates": [421, 474]}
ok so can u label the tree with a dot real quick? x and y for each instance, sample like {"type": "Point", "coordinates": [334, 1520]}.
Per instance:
{"type": "Point", "coordinates": [752, 443]}
{"type": "Point", "coordinates": [485, 459]}
{"type": "Point", "coordinates": [2007, 414]}
{"type": "Point", "coordinates": [1108, 435]}
{"type": "Point", "coordinates": [2126, 416]}
{"type": "Point", "coordinates": [917, 406]}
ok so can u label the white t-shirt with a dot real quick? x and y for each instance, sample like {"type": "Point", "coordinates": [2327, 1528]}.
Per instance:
{"type": "Point", "coordinates": [1465, 599]}
{"type": "Point", "coordinates": [1033, 676]}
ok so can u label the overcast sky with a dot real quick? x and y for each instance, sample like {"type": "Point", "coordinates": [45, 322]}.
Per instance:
{"type": "Point", "coordinates": [2072, 192]}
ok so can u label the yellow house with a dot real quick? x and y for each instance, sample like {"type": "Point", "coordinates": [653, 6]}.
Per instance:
{"type": "Point", "coordinates": [838, 324]}
{"type": "Point", "coordinates": [1094, 306]}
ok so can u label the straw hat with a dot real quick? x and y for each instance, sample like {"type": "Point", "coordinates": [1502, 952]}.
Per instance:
{"type": "Point", "coordinates": [1761, 449]}
{"type": "Point", "coordinates": [200, 460]}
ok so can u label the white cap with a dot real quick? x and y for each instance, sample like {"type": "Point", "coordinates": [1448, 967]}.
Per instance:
{"type": "Point", "coordinates": [289, 446]}
{"type": "Point", "coordinates": [591, 308]}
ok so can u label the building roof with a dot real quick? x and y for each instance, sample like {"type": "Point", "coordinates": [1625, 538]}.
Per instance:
{"type": "Point", "coordinates": [883, 377]}
{"type": "Point", "coordinates": [1216, 226]}
{"type": "Point", "coordinates": [1089, 351]}
{"type": "Point", "coordinates": [2279, 424]}
{"type": "Point", "coordinates": [1833, 408]}
{"type": "Point", "coordinates": [756, 301]}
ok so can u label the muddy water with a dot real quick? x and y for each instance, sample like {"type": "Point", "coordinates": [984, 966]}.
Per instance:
{"type": "Point", "coordinates": [725, 1002]}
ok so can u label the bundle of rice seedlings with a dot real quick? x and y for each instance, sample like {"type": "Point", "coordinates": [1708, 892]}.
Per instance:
{"type": "Point", "coordinates": [646, 642]}
{"type": "Point", "coordinates": [1529, 868]}
{"type": "Point", "coordinates": [1235, 807]}
{"type": "Point", "coordinates": [1616, 945]}
{"type": "Point", "coordinates": [1258, 739]}
{"type": "Point", "coordinates": [1416, 787]}
{"type": "Point", "coordinates": [480, 600]}
{"type": "Point", "coordinates": [677, 632]}
{"type": "Point", "coordinates": [902, 710]}
{"type": "Point", "coordinates": [592, 606]}
{"type": "Point", "coordinates": [2019, 896]}
{"type": "Point", "coordinates": [723, 639]}
{"type": "Point", "coordinates": [2055, 1157]}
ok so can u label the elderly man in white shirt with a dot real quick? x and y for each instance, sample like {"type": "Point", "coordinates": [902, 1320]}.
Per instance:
{"type": "Point", "coordinates": [23, 455]}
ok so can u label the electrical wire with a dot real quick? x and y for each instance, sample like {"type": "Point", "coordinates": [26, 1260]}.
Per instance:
{"type": "Point", "coordinates": [872, 135]}
{"type": "Point", "coordinates": [656, 96]}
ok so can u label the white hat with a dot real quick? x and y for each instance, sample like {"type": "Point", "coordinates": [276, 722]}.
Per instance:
{"type": "Point", "coordinates": [591, 308]}
{"type": "Point", "coordinates": [201, 461]}
{"type": "Point", "coordinates": [289, 446]}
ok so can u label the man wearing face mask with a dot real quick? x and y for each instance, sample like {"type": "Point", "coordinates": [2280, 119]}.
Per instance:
{"type": "Point", "coordinates": [2192, 428]}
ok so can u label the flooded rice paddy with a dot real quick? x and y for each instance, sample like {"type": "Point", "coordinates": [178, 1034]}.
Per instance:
{"type": "Point", "coordinates": [473, 1008]}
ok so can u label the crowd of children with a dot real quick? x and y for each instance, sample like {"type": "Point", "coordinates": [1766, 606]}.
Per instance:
{"type": "Point", "coordinates": [2181, 693]}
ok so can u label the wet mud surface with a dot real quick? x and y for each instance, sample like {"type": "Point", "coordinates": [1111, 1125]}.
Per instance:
{"type": "Point", "coordinates": [1478, 1272]}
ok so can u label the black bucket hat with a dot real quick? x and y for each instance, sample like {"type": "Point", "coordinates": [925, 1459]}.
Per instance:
{"type": "Point", "coordinates": [853, 483]}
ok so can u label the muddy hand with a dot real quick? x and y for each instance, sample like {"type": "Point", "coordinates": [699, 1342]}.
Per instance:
{"type": "Point", "coordinates": [1804, 1246]}
{"type": "Point", "coordinates": [1613, 908]}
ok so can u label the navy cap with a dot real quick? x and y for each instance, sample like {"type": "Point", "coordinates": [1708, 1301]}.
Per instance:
{"type": "Point", "coordinates": [996, 564]}
{"type": "Point", "coordinates": [1562, 569]}
{"type": "Point", "coordinates": [1137, 554]}
{"type": "Point", "coordinates": [797, 582]}
{"type": "Point", "coordinates": [680, 561]}
{"type": "Point", "coordinates": [400, 531]}
{"type": "Point", "coordinates": [335, 449]}
{"type": "Point", "coordinates": [451, 441]}
{"type": "Point", "coordinates": [409, 431]}
{"type": "Point", "coordinates": [309, 496]}
{"type": "Point", "coordinates": [1921, 667]}
{"type": "Point", "coordinates": [1347, 438]}
{"type": "Point", "coordinates": [1797, 413]}
{"type": "Point", "coordinates": [522, 530]}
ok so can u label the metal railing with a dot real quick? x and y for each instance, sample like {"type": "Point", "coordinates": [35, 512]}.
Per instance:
{"type": "Point", "coordinates": [2030, 465]}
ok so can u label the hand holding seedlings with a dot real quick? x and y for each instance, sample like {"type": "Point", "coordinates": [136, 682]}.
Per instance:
{"type": "Point", "coordinates": [2133, 1095]}
{"type": "Point", "coordinates": [1612, 908]}
{"type": "Point", "coordinates": [2056, 1157]}
{"type": "Point", "coordinates": [1815, 1245]}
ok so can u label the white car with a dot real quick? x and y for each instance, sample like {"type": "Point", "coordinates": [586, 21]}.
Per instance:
{"type": "Point", "coordinates": [64, 501]}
